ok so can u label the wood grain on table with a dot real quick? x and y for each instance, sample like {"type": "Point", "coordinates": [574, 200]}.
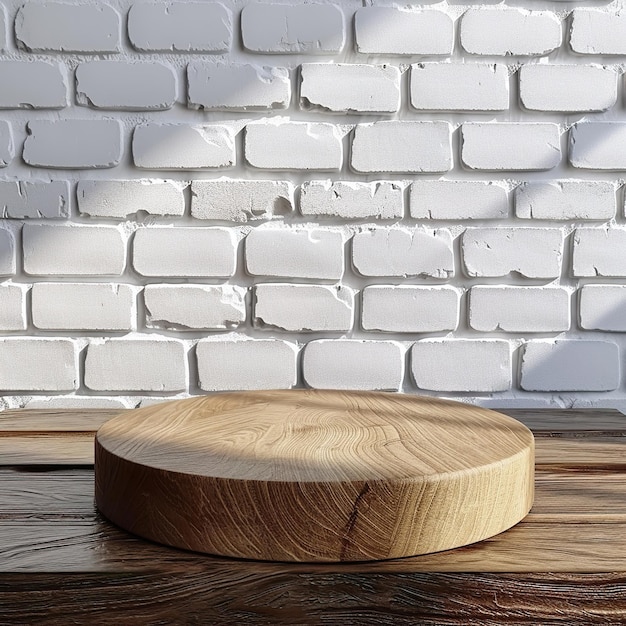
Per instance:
{"type": "Point", "coordinates": [61, 562]}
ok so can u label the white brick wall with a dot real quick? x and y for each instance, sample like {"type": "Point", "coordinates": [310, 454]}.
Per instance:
{"type": "Point", "coordinates": [204, 196]}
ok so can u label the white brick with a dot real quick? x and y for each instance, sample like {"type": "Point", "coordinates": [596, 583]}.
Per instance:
{"type": "Point", "coordinates": [167, 251]}
{"type": "Point", "coordinates": [530, 252]}
{"type": "Point", "coordinates": [183, 146]}
{"type": "Point", "coordinates": [507, 31]}
{"type": "Point", "coordinates": [599, 252]}
{"type": "Point", "coordinates": [125, 85]}
{"type": "Point", "coordinates": [459, 87]}
{"type": "Point", "coordinates": [241, 200]}
{"type": "Point", "coordinates": [246, 364]}
{"type": "Point", "coordinates": [29, 364]}
{"type": "Point", "coordinates": [510, 146]}
{"type": "Point", "coordinates": [121, 198]}
{"type": "Point", "coordinates": [461, 365]}
{"type": "Point", "coordinates": [12, 307]}
{"type": "Point", "coordinates": [598, 145]}
{"type": "Point", "coordinates": [182, 307]}
{"type": "Point", "coordinates": [65, 27]}
{"type": "Point", "coordinates": [352, 364]}
{"type": "Point", "coordinates": [570, 366]}
{"type": "Point", "coordinates": [83, 306]}
{"type": "Point", "coordinates": [567, 87]}
{"type": "Point", "coordinates": [386, 30]}
{"type": "Point", "coordinates": [458, 200]}
{"type": "Point", "coordinates": [39, 199]}
{"type": "Point", "coordinates": [304, 307]}
{"type": "Point", "coordinates": [603, 307]}
{"type": "Point", "coordinates": [291, 29]}
{"type": "Point", "coordinates": [76, 402]}
{"type": "Point", "coordinates": [566, 200]}
{"type": "Point", "coordinates": [598, 32]}
{"type": "Point", "coordinates": [7, 149]}
{"type": "Point", "coordinates": [403, 252]}
{"type": "Point", "coordinates": [136, 365]}
{"type": "Point", "coordinates": [73, 144]}
{"type": "Point", "coordinates": [295, 253]}
{"type": "Point", "coordinates": [398, 146]}
{"type": "Point", "coordinates": [32, 85]}
{"type": "Point", "coordinates": [180, 27]}
{"type": "Point", "coordinates": [237, 86]}
{"type": "Point", "coordinates": [352, 200]}
{"type": "Point", "coordinates": [295, 145]}
{"type": "Point", "coordinates": [410, 309]}
{"type": "Point", "coordinates": [350, 87]}
{"type": "Point", "coordinates": [73, 250]}
{"type": "Point", "coordinates": [519, 309]}
{"type": "Point", "coordinates": [7, 253]}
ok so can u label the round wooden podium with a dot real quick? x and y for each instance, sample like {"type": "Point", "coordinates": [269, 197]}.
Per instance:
{"type": "Point", "coordinates": [309, 475]}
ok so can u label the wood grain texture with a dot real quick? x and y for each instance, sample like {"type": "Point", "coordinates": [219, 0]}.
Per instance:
{"type": "Point", "coordinates": [336, 599]}
{"type": "Point", "coordinates": [314, 475]}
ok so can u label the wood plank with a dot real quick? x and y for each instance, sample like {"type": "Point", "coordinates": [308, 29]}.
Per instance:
{"type": "Point", "coordinates": [564, 422]}
{"type": "Point", "coordinates": [60, 449]}
{"type": "Point", "coordinates": [93, 545]}
{"type": "Point", "coordinates": [340, 599]}
{"type": "Point", "coordinates": [56, 420]}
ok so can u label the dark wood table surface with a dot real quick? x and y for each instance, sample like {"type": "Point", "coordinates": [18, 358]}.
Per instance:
{"type": "Point", "coordinates": [62, 563]}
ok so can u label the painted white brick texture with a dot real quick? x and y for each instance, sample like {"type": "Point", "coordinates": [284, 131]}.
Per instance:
{"type": "Point", "coordinates": [299, 28]}
{"type": "Point", "coordinates": [566, 200]}
{"type": "Point", "coordinates": [387, 30]}
{"type": "Point", "coordinates": [237, 365]}
{"type": "Point", "coordinates": [37, 364]}
{"type": "Point", "coordinates": [570, 366]}
{"type": "Point", "coordinates": [458, 200]}
{"type": "Point", "coordinates": [408, 309]}
{"type": "Point", "coordinates": [346, 88]}
{"type": "Point", "coordinates": [411, 147]}
{"type": "Point", "coordinates": [189, 307]}
{"type": "Point", "coordinates": [567, 88]}
{"type": "Point", "coordinates": [352, 200]}
{"type": "Point", "coordinates": [218, 86]}
{"type": "Point", "coordinates": [241, 200]}
{"type": "Point", "coordinates": [515, 146]}
{"type": "Point", "coordinates": [519, 309]}
{"type": "Point", "coordinates": [73, 250]}
{"type": "Point", "coordinates": [603, 307]}
{"type": "Point", "coordinates": [303, 308]}
{"type": "Point", "coordinates": [352, 364]}
{"type": "Point", "coordinates": [461, 365]}
{"type": "Point", "coordinates": [598, 32]}
{"type": "Point", "coordinates": [183, 146]}
{"type": "Point", "coordinates": [180, 27]}
{"type": "Point", "coordinates": [147, 364]}
{"type": "Point", "coordinates": [197, 252]}
{"type": "Point", "coordinates": [201, 196]}
{"type": "Point", "coordinates": [122, 198]}
{"type": "Point", "coordinates": [403, 252]}
{"type": "Point", "coordinates": [127, 86]}
{"type": "Point", "coordinates": [460, 86]}
{"type": "Point", "coordinates": [83, 306]}
{"type": "Point", "coordinates": [295, 145]}
{"type": "Point", "coordinates": [530, 252]}
{"type": "Point", "coordinates": [282, 252]}
{"type": "Point", "coordinates": [73, 144]}
{"type": "Point", "coordinates": [509, 31]}
{"type": "Point", "coordinates": [34, 85]}
{"type": "Point", "coordinates": [68, 27]}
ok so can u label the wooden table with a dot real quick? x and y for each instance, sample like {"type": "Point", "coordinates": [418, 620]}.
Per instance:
{"type": "Point", "coordinates": [61, 562]}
